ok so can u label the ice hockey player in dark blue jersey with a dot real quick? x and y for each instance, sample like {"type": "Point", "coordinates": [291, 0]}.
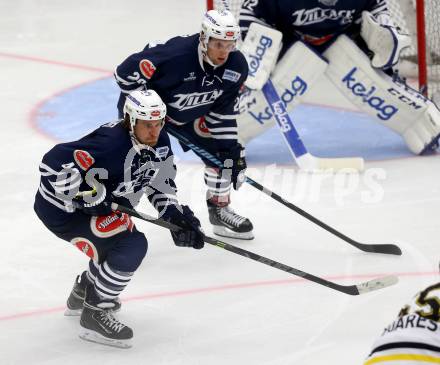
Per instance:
{"type": "Point", "coordinates": [199, 78]}
{"type": "Point", "coordinates": [354, 44]}
{"type": "Point", "coordinates": [118, 162]}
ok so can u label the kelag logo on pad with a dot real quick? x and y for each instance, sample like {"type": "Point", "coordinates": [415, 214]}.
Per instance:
{"type": "Point", "coordinates": [255, 59]}
{"type": "Point", "coordinates": [297, 87]}
{"type": "Point", "coordinates": [368, 95]}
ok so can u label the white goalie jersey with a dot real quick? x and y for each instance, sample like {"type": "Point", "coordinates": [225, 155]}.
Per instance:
{"type": "Point", "coordinates": [414, 337]}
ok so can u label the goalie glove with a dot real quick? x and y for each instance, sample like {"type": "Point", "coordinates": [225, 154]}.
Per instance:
{"type": "Point", "coordinates": [384, 40]}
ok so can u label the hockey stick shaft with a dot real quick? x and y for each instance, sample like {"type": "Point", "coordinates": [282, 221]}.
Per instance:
{"type": "Point", "coordinates": [303, 158]}
{"type": "Point", "coordinates": [284, 122]}
{"type": "Point", "coordinates": [350, 289]}
{"type": "Point", "coordinates": [377, 248]}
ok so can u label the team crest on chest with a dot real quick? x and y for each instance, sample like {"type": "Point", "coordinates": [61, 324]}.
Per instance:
{"type": "Point", "coordinates": [328, 2]}
{"type": "Point", "coordinates": [191, 76]}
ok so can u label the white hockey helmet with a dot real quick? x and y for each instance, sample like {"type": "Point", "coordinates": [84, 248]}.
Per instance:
{"type": "Point", "coordinates": [219, 24]}
{"type": "Point", "coordinates": [144, 105]}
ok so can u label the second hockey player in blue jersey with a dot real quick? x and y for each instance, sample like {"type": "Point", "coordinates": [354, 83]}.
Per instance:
{"type": "Point", "coordinates": [199, 78]}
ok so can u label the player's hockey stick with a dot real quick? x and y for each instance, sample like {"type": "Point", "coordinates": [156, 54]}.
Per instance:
{"type": "Point", "coordinates": [304, 159]}
{"type": "Point", "coordinates": [376, 248]}
{"type": "Point", "coordinates": [362, 288]}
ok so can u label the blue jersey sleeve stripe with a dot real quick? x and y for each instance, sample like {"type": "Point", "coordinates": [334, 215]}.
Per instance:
{"type": "Point", "coordinates": [121, 81]}
{"type": "Point", "coordinates": [61, 204]}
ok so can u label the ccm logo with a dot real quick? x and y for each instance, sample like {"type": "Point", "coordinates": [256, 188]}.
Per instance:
{"type": "Point", "coordinates": [155, 113]}
{"type": "Point", "coordinates": [230, 34]}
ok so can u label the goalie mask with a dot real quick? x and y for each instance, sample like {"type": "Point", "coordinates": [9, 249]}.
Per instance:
{"type": "Point", "coordinates": [144, 105]}
{"type": "Point", "coordinates": [218, 24]}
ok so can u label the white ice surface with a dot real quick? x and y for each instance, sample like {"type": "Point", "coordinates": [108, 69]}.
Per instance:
{"type": "Point", "coordinates": [187, 306]}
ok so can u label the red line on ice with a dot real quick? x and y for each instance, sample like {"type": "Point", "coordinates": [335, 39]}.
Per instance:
{"type": "Point", "coordinates": [53, 62]}
{"type": "Point", "coordinates": [187, 292]}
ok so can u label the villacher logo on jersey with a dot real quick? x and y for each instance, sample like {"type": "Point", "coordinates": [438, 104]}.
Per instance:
{"type": "Point", "coordinates": [304, 17]}
{"type": "Point", "coordinates": [194, 100]}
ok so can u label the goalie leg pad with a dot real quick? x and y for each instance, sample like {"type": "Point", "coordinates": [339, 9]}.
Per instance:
{"type": "Point", "coordinates": [292, 78]}
{"type": "Point", "coordinates": [388, 99]}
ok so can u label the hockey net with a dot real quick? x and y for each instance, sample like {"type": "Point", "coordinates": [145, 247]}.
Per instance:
{"type": "Point", "coordinates": [425, 37]}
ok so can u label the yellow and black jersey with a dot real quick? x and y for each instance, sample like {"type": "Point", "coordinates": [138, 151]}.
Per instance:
{"type": "Point", "coordinates": [414, 337]}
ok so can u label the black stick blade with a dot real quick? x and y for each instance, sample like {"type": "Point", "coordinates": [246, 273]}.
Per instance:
{"type": "Point", "coordinates": [387, 248]}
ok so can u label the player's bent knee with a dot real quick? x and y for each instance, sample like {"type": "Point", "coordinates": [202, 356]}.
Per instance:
{"type": "Point", "coordinates": [129, 257]}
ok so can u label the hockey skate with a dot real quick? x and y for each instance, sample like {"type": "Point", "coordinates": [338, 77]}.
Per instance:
{"type": "Point", "coordinates": [227, 223]}
{"type": "Point", "coordinates": [99, 325]}
{"type": "Point", "coordinates": [76, 297]}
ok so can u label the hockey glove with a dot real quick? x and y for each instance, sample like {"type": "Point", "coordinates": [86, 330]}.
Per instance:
{"type": "Point", "coordinates": [234, 163]}
{"type": "Point", "coordinates": [383, 39]}
{"type": "Point", "coordinates": [190, 234]}
{"type": "Point", "coordinates": [95, 203]}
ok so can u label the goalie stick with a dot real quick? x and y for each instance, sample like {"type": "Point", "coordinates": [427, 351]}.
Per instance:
{"type": "Point", "coordinates": [390, 249]}
{"type": "Point", "coordinates": [362, 288]}
{"type": "Point", "coordinates": [305, 160]}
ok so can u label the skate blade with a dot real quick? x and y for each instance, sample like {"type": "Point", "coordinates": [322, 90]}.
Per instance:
{"type": "Point", "coordinates": [225, 232]}
{"type": "Point", "coordinates": [72, 312]}
{"type": "Point", "coordinates": [92, 336]}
